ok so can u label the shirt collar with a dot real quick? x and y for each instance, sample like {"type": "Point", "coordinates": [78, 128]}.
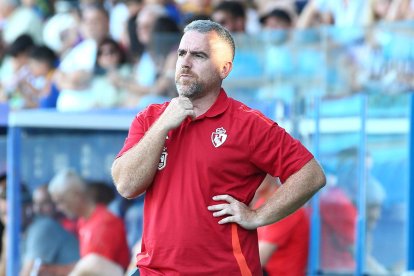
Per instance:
{"type": "Point", "coordinates": [219, 106]}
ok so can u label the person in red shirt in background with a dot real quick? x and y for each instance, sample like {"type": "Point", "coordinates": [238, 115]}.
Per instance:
{"type": "Point", "coordinates": [284, 245]}
{"type": "Point", "coordinates": [338, 224]}
{"type": "Point", "coordinates": [100, 232]}
{"type": "Point", "coordinates": [339, 214]}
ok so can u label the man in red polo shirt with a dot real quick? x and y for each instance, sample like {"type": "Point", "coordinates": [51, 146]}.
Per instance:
{"type": "Point", "coordinates": [100, 232]}
{"type": "Point", "coordinates": [200, 159]}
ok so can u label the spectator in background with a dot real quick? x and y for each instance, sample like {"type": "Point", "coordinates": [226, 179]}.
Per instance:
{"type": "Point", "coordinates": [111, 64]}
{"type": "Point", "coordinates": [247, 72]}
{"type": "Point", "coordinates": [74, 72]}
{"type": "Point", "coordinates": [152, 79]}
{"type": "Point", "coordinates": [289, 6]}
{"type": "Point", "coordinates": [131, 211]}
{"type": "Point", "coordinates": [338, 207]}
{"type": "Point", "coordinates": [40, 90]}
{"type": "Point", "coordinates": [194, 8]}
{"type": "Point", "coordinates": [100, 192]}
{"type": "Point", "coordinates": [276, 19]}
{"type": "Point", "coordinates": [338, 224]}
{"type": "Point", "coordinates": [61, 31]}
{"type": "Point", "coordinates": [49, 248]}
{"type": "Point", "coordinates": [100, 232]}
{"type": "Point", "coordinates": [14, 69]}
{"type": "Point", "coordinates": [18, 19]}
{"type": "Point", "coordinates": [26, 216]}
{"type": "Point", "coordinates": [284, 245]}
{"type": "Point", "coordinates": [231, 15]}
{"type": "Point", "coordinates": [280, 63]}
{"type": "Point", "coordinates": [352, 13]}
{"type": "Point", "coordinates": [129, 38]}
{"type": "Point", "coordinates": [118, 16]}
{"type": "Point", "coordinates": [343, 13]}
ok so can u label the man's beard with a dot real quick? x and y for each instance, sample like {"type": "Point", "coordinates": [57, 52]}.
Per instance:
{"type": "Point", "coordinates": [190, 90]}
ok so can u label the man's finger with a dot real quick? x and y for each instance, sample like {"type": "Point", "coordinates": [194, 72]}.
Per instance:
{"type": "Point", "coordinates": [222, 213]}
{"type": "Point", "coordinates": [227, 220]}
{"type": "Point", "coordinates": [227, 198]}
{"type": "Point", "coordinates": [191, 114]}
{"type": "Point", "coordinates": [217, 207]}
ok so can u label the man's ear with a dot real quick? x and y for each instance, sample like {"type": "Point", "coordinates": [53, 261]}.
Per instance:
{"type": "Point", "coordinates": [225, 69]}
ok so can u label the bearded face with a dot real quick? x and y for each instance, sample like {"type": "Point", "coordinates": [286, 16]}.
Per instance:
{"type": "Point", "coordinates": [188, 84]}
{"type": "Point", "coordinates": [201, 57]}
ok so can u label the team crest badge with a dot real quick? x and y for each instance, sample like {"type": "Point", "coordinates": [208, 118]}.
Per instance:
{"type": "Point", "coordinates": [218, 137]}
{"type": "Point", "coordinates": [163, 159]}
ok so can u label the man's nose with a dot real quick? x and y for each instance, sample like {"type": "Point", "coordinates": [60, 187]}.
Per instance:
{"type": "Point", "coordinates": [186, 61]}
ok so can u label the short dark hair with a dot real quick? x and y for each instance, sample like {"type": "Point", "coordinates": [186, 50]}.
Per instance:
{"type": "Point", "coordinates": [279, 14]}
{"type": "Point", "coordinates": [44, 54]}
{"type": "Point", "coordinates": [116, 45]}
{"type": "Point", "coordinates": [94, 6]}
{"type": "Point", "coordinates": [235, 8]}
{"type": "Point", "coordinates": [22, 44]}
{"type": "Point", "coordinates": [206, 26]}
{"type": "Point", "coordinates": [3, 176]}
{"type": "Point", "coordinates": [100, 191]}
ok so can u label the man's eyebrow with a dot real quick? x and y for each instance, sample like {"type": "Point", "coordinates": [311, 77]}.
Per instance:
{"type": "Point", "coordinates": [199, 53]}
{"type": "Point", "coordinates": [181, 51]}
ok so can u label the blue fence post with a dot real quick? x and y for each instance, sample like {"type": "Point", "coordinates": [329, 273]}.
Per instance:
{"type": "Point", "coordinates": [13, 200]}
{"type": "Point", "coordinates": [314, 256]}
{"type": "Point", "coordinates": [361, 222]}
{"type": "Point", "coordinates": [410, 207]}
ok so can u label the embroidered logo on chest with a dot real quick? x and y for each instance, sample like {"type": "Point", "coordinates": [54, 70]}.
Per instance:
{"type": "Point", "coordinates": [218, 137]}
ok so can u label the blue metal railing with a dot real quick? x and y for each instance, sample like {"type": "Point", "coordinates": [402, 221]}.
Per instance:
{"type": "Point", "coordinates": [361, 221]}
{"type": "Point", "coordinates": [410, 207]}
{"type": "Point", "coordinates": [314, 258]}
{"type": "Point", "coordinates": [13, 200]}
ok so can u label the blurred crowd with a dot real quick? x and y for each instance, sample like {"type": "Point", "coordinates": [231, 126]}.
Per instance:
{"type": "Point", "coordinates": [81, 55]}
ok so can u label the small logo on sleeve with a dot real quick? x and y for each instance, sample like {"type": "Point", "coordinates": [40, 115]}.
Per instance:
{"type": "Point", "coordinates": [218, 137]}
{"type": "Point", "coordinates": [163, 159]}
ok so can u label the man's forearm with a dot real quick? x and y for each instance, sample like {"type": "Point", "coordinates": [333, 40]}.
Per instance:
{"type": "Point", "coordinates": [289, 197]}
{"type": "Point", "coordinates": [294, 193]}
{"type": "Point", "coordinates": [134, 171]}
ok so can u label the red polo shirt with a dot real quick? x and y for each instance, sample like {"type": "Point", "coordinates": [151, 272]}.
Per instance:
{"type": "Point", "coordinates": [227, 150]}
{"type": "Point", "coordinates": [103, 233]}
{"type": "Point", "coordinates": [291, 238]}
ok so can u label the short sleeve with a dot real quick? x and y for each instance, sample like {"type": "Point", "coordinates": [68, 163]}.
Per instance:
{"type": "Point", "coordinates": [140, 125]}
{"type": "Point", "coordinates": [135, 134]}
{"type": "Point", "coordinates": [276, 151]}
